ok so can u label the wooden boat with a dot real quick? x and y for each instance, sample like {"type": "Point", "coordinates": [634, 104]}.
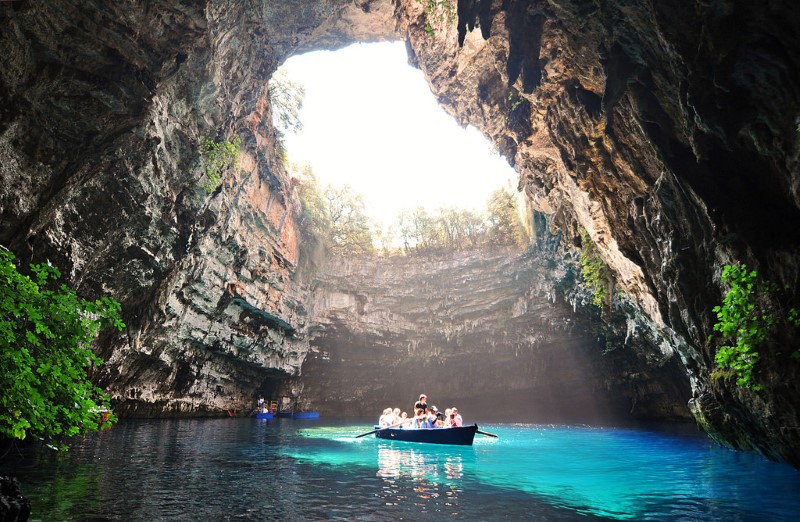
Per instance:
{"type": "Point", "coordinates": [298, 414]}
{"type": "Point", "coordinates": [462, 436]}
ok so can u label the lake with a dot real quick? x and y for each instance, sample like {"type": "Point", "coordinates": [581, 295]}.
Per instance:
{"type": "Point", "coordinates": [244, 469]}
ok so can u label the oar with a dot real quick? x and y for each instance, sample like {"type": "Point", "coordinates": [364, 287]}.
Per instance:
{"type": "Point", "coordinates": [379, 429]}
{"type": "Point", "coordinates": [487, 433]}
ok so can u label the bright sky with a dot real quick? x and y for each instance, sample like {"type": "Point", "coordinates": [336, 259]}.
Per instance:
{"type": "Point", "coordinates": [371, 121]}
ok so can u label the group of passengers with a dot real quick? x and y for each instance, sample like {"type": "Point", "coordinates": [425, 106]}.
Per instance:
{"type": "Point", "coordinates": [424, 417]}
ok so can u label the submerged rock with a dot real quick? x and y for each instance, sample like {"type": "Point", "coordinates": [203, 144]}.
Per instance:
{"type": "Point", "coordinates": [13, 506]}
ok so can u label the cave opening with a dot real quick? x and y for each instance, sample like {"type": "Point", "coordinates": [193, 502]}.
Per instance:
{"type": "Point", "coordinates": [370, 121]}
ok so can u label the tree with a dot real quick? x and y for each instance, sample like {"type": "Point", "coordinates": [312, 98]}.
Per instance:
{"type": "Point", "coordinates": [351, 230]}
{"type": "Point", "coordinates": [452, 228]}
{"type": "Point", "coordinates": [473, 226]}
{"type": "Point", "coordinates": [419, 230]}
{"type": "Point", "coordinates": [461, 228]}
{"type": "Point", "coordinates": [335, 215]}
{"type": "Point", "coordinates": [405, 226]}
{"type": "Point", "coordinates": [287, 100]}
{"type": "Point", "coordinates": [45, 337]}
{"type": "Point", "coordinates": [314, 220]}
{"type": "Point", "coordinates": [505, 227]}
{"type": "Point", "coordinates": [385, 237]}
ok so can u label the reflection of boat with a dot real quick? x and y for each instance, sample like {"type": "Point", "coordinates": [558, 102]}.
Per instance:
{"type": "Point", "coordinates": [430, 464]}
{"type": "Point", "coordinates": [299, 414]}
{"type": "Point", "coordinates": [264, 415]}
{"type": "Point", "coordinates": [461, 436]}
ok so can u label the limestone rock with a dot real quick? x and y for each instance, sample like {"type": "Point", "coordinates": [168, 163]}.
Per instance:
{"type": "Point", "coordinates": [14, 507]}
{"type": "Point", "coordinates": [491, 331]}
{"type": "Point", "coordinates": [664, 131]}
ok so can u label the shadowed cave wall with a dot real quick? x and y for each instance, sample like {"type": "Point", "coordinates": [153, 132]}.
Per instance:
{"type": "Point", "coordinates": [502, 334]}
{"type": "Point", "coordinates": [664, 130]}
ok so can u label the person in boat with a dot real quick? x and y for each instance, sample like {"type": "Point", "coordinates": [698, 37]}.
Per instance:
{"type": "Point", "coordinates": [448, 418]}
{"type": "Point", "coordinates": [457, 420]}
{"type": "Point", "coordinates": [386, 418]}
{"type": "Point", "coordinates": [422, 403]}
{"type": "Point", "coordinates": [396, 419]}
{"type": "Point", "coordinates": [436, 417]}
{"type": "Point", "coordinates": [421, 420]}
{"type": "Point", "coordinates": [406, 422]}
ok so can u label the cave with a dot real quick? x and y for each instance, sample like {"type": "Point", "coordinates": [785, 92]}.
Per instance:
{"type": "Point", "coordinates": [667, 136]}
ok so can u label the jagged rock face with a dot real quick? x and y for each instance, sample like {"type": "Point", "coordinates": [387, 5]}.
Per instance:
{"type": "Point", "coordinates": [666, 131]}
{"type": "Point", "coordinates": [491, 331]}
{"type": "Point", "coordinates": [104, 108]}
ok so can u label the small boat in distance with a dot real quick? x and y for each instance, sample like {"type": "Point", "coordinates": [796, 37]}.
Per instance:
{"type": "Point", "coordinates": [460, 436]}
{"type": "Point", "coordinates": [264, 415]}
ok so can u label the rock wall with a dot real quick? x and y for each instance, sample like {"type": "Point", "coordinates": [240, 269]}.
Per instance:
{"type": "Point", "coordinates": [493, 331]}
{"type": "Point", "coordinates": [103, 111]}
{"type": "Point", "coordinates": [666, 130]}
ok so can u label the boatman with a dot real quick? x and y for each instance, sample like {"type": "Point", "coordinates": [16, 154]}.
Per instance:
{"type": "Point", "coordinates": [422, 403]}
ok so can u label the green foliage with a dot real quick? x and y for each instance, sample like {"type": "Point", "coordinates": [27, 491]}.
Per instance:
{"type": "Point", "coordinates": [515, 99]}
{"type": "Point", "coordinates": [793, 319]}
{"type": "Point", "coordinates": [455, 229]}
{"type": "Point", "coordinates": [351, 229]}
{"type": "Point", "coordinates": [217, 158]}
{"type": "Point", "coordinates": [44, 355]}
{"type": "Point", "coordinates": [422, 230]}
{"type": "Point", "coordinates": [748, 316]}
{"type": "Point", "coordinates": [596, 274]}
{"type": "Point", "coordinates": [505, 224]}
{"type": "Point", "coordinates": [335, 215]}
{"type": "Point", "coordinates": [338, 217]}
{"type": "Point", "coordinates": [438, 11]}
{"type": "Point", "coordinates": [286, 98]}
{"type": "Point", "coordinates": [313, 220]}
{"type": "Point", "coordinates": [744, 322]}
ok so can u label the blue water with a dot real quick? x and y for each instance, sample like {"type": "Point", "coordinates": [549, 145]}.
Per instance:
{"type": "Point", "coordinates": [243, 469]}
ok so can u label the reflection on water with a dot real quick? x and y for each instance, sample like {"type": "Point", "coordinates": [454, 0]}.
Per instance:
{"type": "Point", "coordinates": [410, 462]}
{"type": "Point", "coordinates": [434, 476]}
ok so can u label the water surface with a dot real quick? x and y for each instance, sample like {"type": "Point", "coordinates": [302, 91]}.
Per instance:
{"type": "Point", "coordinates": [243, 469]}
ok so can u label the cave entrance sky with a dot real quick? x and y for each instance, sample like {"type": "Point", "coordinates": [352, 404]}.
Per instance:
{"type": "Point", "coordinates": [371, 121]}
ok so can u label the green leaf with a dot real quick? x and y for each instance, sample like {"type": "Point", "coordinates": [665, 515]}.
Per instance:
{"type": "Point", "coordinates": [44, 335]}
{"type": "Point", "coordinates": [742, 323]}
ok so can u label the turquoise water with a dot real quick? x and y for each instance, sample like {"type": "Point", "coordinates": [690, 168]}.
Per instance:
{"type": "Point", "coordinates": [242, 469]}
